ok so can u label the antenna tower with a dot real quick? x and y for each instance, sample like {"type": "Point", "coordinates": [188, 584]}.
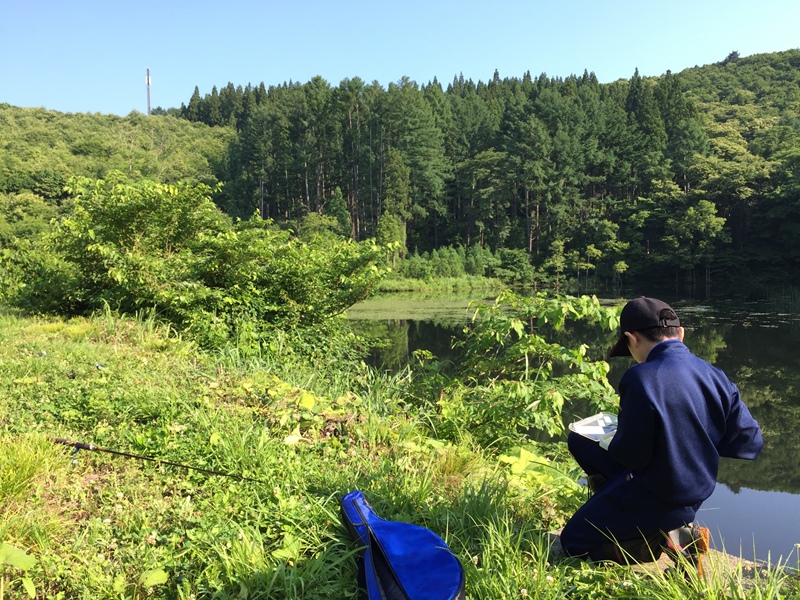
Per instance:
{"type": "Point", "coordinates": [148, 92]}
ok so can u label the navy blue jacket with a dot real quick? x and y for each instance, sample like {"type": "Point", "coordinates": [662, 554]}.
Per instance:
{"type": "Point", "coordinates": [677, 415]}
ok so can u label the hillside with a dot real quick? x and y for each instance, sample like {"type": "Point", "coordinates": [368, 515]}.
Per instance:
{"type": "Point", "coordinates": [41, 149]}
{"type": "Point", "coordinates": [769, 81]}
{"type": "Point", "coordinates": [691, 175]}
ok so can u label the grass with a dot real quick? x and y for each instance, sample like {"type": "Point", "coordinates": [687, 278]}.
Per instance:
{"type": "Point", "coordinates": [465, 282]}
{"type": "Point", "coordinates": [103, 526]}
{"type": "Point", "coordinates": [432, 306]}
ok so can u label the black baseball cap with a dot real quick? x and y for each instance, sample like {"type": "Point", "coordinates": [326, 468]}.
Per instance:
{"type": "Point", "coordinates": [642, 313]}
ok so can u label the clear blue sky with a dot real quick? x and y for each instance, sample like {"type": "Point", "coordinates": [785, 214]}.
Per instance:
{"type": "Point", "coordinates": [92, 55]}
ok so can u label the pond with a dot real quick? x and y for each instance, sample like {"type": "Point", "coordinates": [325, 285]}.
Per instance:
{"type": "Point", "coordinates": [755, 510]}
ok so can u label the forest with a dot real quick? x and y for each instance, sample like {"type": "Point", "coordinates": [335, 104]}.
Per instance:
{"type": "Point", "coordinates": [687, 177]}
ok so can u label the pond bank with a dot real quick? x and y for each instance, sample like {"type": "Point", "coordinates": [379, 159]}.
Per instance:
{"type": "Point", "coordinates": [718, 566]}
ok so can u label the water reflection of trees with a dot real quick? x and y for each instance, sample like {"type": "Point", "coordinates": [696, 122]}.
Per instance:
{"type": "Point", "coordinates": [388, 342]}
{"type": "Point", "coordinates": [763, 361]}
{"type": "Point", "coordinates": [394, 341]}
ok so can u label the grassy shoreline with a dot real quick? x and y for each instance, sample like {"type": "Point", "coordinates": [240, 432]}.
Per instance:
{"type": "Point", "coordinates": [395, 283]}
{"type": "Point", "coordinates": [103, 526]}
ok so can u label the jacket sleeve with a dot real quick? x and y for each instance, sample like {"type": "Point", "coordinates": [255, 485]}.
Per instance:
{"type": "Point", "coordinates": [742, 438]}
{"type": "Point", "coordinates": [632, 445]}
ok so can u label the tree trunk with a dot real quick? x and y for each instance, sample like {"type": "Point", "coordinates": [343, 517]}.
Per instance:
{"type": "Point", "coordinates": [528, 225]}
{"type": "Point", "coordinates": [308, 192]}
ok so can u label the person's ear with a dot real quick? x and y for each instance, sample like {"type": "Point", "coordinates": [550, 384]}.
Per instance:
{"type": "Point", "coordinates": [680, 333]}
{"type": "Point", "coordinates": [633, 339]}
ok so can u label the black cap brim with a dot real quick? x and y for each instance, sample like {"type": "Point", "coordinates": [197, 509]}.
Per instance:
{"type": "Point", "coordinates": [620, 348]}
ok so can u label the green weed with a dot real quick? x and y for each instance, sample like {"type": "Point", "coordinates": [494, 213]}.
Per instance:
{"type": "Point", "coordinates": [105, 526]}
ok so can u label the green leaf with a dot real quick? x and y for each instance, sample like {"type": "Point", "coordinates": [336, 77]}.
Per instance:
{"type": "Point", "coordinates": [215, 438]}
{"type": "Point", "coordinates": [518, 327]}
{"type": "Point", "coordinates": [291, 548]}
{"type": "Point", "coordinates": [307, 401]}
{"type": "Point", "coordinates": [14, 557]}
{"type": "Point", "coordinates": [294, 437]}
{"type": "Point", "coordinates": [153, 577]}
{"type": "Point", "coordinates": [29, 587]}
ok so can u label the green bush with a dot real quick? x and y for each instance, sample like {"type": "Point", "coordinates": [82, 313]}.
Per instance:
{"type": "Point", "coordinates": [148, 245]}
{"type": "Point", "coordinates": [511, 378]}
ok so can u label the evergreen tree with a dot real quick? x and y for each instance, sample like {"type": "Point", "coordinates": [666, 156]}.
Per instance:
{"type": "Point", "coordinates": [337, 208]}
{"type": "Point", "coordinates": [231, 104]}
{"type": "Point", "coordinates": [528, 148]}
{"type": "Point", "coordinates": [397, 187]}
{"type": "Point", "coordinates": [212, 114]}
{"type": "Point", "coordinates": [196, 107]}
{"type": "Point", "coordinates": [685, 136]}
{"type": "Point", "coordinates": [409, 126]}
{"type": "Point", "coordinates": [649, 138]}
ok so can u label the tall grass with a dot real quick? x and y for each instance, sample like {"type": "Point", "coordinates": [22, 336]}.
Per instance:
{"type": "Point", "coordinates": [103, 526]}
{"type": "Point", "coordinates": [30, 470]}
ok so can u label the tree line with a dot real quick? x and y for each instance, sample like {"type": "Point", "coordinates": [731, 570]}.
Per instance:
{"type": "Point", "coordinates": [690, 174]}
{"type": "Point", "coordinates": [687, 176]}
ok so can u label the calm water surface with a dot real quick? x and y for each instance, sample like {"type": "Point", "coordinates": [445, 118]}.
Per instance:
{"type": "Point", "coordinates": [755, 509]}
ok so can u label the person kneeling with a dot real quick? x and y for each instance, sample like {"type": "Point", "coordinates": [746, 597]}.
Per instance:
{"type": "Point", "coordinates": [678, 415]}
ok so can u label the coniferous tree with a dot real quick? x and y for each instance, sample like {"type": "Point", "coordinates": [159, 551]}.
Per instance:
{"type": "Point", "coordinates": [409, 127]}
{"type": "Point", "coordinates": [649, 136]}
{"type": "Point", "coordinates": [397, 186]}
{"type": "Point", "coordinates": [212, 114]}
{"type": "Point", "coordinates": [685, 136]}
{"type": "Point", "coordinates": [195, 109]}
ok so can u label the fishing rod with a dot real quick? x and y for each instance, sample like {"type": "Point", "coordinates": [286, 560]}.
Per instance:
{"type": "Point", "coordinates": [93, 448]}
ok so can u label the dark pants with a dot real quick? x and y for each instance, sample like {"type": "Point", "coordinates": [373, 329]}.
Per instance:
{"type": "Point", "coordinates": [621, 515]}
